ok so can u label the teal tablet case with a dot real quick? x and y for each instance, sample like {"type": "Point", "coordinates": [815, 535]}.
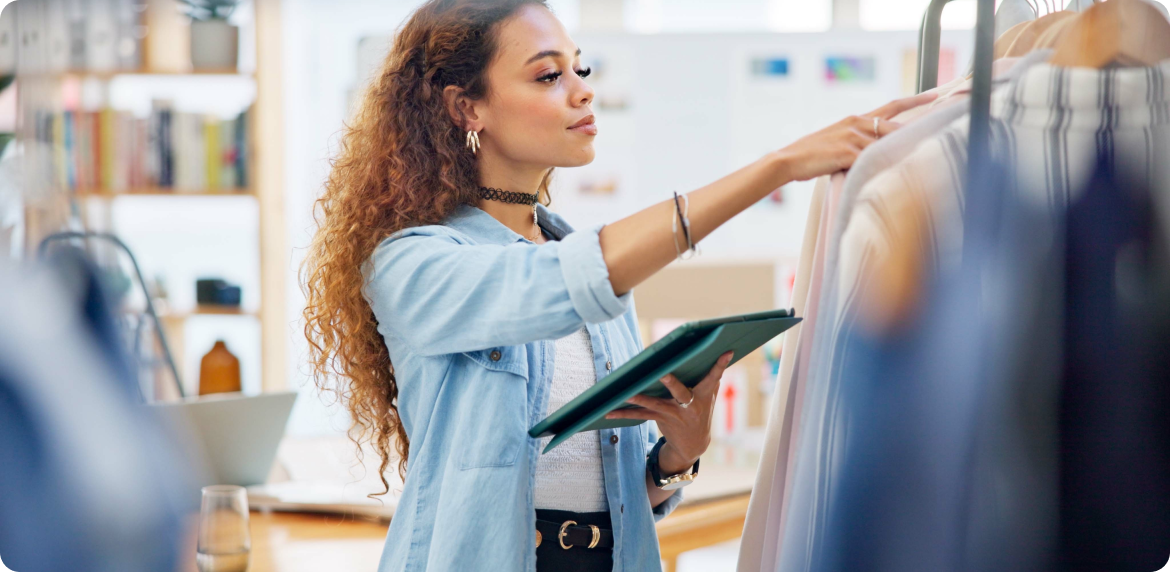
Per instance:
{"type": "Point", "coordinates": [688, 352]}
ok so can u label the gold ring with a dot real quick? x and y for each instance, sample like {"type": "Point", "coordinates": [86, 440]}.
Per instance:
{"type": "Point", "coordinates": [561, 536]}
{"type": "Point", "coordinates": [596, 536]}
{"type": "Point", "coordinates": [875, 127]}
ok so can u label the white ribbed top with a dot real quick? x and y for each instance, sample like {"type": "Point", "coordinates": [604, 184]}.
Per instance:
{"type": "Point", "coordinates": [570, 477]}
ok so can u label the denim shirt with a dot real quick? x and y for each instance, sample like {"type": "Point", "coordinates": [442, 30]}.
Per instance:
{"type": "Point", "coordinates": [469, 311]}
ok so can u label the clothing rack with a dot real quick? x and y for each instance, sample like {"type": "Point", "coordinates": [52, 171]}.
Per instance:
{"type": "Point", "coordinates": [929, 43]}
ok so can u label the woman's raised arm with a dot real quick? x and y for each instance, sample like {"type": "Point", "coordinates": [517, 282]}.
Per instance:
{"type": "Point", "coordinates": [639, 245]}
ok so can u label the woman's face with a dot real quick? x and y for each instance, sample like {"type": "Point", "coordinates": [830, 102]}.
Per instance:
{"type": "Point", "coordinates": [538, 109]}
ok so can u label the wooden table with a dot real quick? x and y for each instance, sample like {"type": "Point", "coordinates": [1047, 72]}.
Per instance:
{"type": "Point", "coordinates": [701, 524]}
{"type": "Point", "coordinates": [293, 542]}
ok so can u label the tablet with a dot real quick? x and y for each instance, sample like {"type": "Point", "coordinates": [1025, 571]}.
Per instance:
{"type": "Point", "coordinates": [688, 352]}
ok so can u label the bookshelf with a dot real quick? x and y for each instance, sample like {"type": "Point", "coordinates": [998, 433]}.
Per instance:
{"type": "Point", "coordinates": [48, 92]}
{"type": "Point", "coordinates": [163, 192]}
{"type": "Point", "coordinates": [111, 74]}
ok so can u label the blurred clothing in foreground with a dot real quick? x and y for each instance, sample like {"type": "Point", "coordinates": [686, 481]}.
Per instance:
{"type": "Point", "coordinates": [89, 480]}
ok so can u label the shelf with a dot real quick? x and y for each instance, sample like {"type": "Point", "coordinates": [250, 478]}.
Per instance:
{"type": "Point", "coordinates": [207, 310]}
{"type": "Point", "coordinates": [116, 73]}
{"type": "Point", "coordinates": [163, 192]}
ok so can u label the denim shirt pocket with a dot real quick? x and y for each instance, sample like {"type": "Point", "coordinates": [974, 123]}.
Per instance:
{"type": "Point", "coordinates": [496, 434]}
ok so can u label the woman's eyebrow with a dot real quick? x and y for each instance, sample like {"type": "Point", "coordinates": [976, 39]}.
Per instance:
{"type": "Point", "coordinates": [548, 53]}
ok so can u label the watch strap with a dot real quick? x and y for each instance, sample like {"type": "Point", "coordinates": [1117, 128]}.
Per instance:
{"type": "Point", "coordinates": [668, 482]}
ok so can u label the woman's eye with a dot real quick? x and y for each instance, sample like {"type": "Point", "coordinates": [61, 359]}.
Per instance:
{"type": "Point", "coordinates": [553, 76]}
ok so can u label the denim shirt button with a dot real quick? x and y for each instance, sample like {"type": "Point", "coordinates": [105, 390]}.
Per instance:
{"type": "Point", "coordinates": [613, 439]}
{"type": "Point", "coordinates": [608, 365]}
{"type": "Point", "coordinates": [495, 355]}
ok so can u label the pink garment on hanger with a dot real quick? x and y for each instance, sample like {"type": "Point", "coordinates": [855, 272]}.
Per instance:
{"type": "Point", "coordinates": [764, 524]}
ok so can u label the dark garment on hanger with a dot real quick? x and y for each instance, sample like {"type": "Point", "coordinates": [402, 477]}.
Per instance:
{"type": "Point", "coordinates": [1115, 400]}
{"type": "Point", "coordinates": [95, 306]}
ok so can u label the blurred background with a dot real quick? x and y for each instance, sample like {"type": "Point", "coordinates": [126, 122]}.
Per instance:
{"type": "Point", "coordinates": [687, 91]}
{"type": "Point", "coordinates": [199, 133]}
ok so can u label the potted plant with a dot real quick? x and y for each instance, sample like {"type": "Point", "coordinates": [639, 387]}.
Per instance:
{"type": "Point", "coordinates": [214, 42]}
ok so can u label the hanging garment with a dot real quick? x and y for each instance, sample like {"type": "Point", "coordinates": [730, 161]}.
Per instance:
{"type": "Point", "coordinates": [786, 402]}
{"type": "Point", "coordinates": [74, 267]}
{"type": "Point", "coordinates": [89, 480]}
{"type": "Point", "coordinates": [762, 522]}
{"type": "Point", "coordinates": [927, 471]}
{"type": "Point", "coordinates": [952, 429]}
{"type": "Point", "coordinates": [760, 544]}
{"type": "Point", "coordinates": [1052, 121]}
{"type": "Point", "coordinates": [1115, 402]}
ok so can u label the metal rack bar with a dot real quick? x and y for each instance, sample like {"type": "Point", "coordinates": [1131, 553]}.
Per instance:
{"type": "Point", "coordinates": [929, 42]}
{"type": "Point", "coordinates": [978, 154]}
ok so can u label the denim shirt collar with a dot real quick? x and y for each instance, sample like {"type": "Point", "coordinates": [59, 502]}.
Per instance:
{"type": "Point", "coordinates": [483, 227]}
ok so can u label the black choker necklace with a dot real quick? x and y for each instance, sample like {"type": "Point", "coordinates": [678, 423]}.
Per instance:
{"type": "Point", "coordinates": [490, 194]}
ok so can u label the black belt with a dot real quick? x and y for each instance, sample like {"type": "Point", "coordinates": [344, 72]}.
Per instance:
{"type": "Point", "coordinates": [570, 534]}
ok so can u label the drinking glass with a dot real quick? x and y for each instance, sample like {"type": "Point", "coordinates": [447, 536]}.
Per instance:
{"type": "Point", "coordinates": [224, 540]}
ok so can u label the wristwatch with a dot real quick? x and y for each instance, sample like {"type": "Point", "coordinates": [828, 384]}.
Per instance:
{"type": "Point", "coordinates": [669, 482]}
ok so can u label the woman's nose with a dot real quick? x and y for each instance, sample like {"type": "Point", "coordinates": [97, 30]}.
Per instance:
{"type": "Point", "coordinates": [584, 94]}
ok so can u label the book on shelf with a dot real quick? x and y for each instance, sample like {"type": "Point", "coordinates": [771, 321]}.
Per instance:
{"type": "Point", "coordinates": [112, 151]}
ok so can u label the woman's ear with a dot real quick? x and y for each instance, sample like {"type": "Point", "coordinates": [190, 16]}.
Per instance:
{"type": "Point", "coordinates": [461, 109]}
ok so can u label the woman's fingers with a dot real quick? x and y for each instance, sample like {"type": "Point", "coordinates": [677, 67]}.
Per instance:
{"type": "Point", "coordinates": [634, 413]}
{"type": "Point", "coordinates": [874, 128]}
{"type": "Point", "coordinates": [656, 404]}
{"type": "Point", "coordinates": [710, 385]}
{"type": "Point", "coordinates": [861, 139]}
{"type": "Point", "coordinates": [678, 390]}
{"type": "Point", "coordinates": [893, 108]}
{"type": "Point", "coordinates": [887, 127]}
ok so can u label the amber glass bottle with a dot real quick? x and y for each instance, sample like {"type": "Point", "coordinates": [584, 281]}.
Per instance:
{"type": "Point", "coordinates": [219, 372]}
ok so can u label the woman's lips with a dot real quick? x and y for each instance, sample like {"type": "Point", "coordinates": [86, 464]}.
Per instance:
{"type": "Point", "coordinates": [586, 126]}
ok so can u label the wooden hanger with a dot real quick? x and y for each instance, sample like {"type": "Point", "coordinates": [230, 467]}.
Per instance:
{"type": "Point", "coordinates": [1123, 32]}
{"type": "Point", "coordinates": [1051, 36]}
{"type": "Point", "coordinates": [1004, 41]}
{"type": "Point", "coordinates": [1025, 42]}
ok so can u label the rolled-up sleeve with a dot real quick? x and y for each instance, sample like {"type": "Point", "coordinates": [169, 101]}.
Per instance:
{"type": "Point", "coordinates": [587, 278]}
{"type": "Point", "coordinates": [441, 294]}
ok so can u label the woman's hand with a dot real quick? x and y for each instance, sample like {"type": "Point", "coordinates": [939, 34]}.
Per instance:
{"type": "Point", "coordinates": [834, 148]}
{"type": "Point", "coordinates": [687, 429]}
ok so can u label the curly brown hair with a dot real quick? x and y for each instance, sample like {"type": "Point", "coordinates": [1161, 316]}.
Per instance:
{"type": "Point", "coordinates": [402, 162]}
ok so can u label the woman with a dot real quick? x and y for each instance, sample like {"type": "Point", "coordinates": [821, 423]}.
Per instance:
{"type": "Point", "coordinates": [450, 321]}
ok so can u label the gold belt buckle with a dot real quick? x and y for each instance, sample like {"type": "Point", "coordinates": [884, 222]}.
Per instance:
{"type": "Point", "coordinates": [561, 536]}
{"type": "Point", "coordinates": [596, 536]}
{"type": "Point", "coordinates": [564, 527]}
{"type": "Point", "coordinates": [538, 538]}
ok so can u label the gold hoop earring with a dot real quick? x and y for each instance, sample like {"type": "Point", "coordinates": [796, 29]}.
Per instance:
{"type": "Point", "coordinates": [473, 141]}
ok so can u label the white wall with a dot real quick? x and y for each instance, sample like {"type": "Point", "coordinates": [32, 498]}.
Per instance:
{"type": "Point", "coordinates": [695, 114]}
